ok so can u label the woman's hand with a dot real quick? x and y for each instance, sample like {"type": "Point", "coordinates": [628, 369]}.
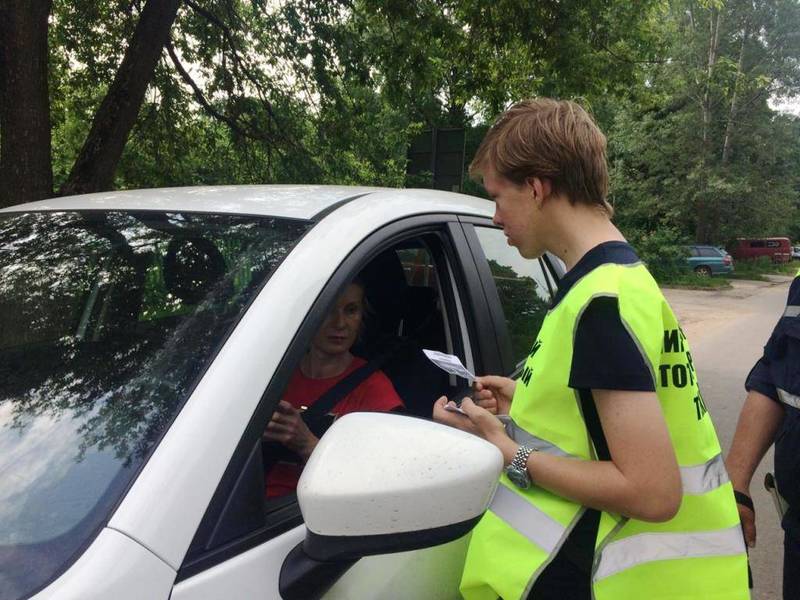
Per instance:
{"type": "Point", "coordinates": [494, 393]}
{"type": "Point", "coordinates": [288, 428]}
{"type": "Point", "coordinates": [476, 420]}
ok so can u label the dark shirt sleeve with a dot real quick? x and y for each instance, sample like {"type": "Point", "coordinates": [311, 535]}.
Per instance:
{"type": "Point", "coordinates": [760, 379]}
{"type": "Point", "coordinates": [605, 355]}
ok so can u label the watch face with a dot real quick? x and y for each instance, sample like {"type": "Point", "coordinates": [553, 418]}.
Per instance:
{"type": "Point", "coordinates": [518, 478]}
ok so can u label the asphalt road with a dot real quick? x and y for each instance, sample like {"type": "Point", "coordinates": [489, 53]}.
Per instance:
{"type": "Point", "coordinates": [727, 331]}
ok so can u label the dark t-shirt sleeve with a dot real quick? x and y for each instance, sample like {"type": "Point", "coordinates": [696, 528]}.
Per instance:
{"type": "Point", "coordinates": [760, 380]}
{"type": "Point", "coordinates": [605, 356]}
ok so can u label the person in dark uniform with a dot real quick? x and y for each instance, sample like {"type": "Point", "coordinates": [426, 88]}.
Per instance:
{"type": "Point", "coordinates": [771, 414]}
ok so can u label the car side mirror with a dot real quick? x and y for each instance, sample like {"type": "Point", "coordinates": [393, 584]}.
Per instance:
{"type": "Point", "coordinates": [379, 483]}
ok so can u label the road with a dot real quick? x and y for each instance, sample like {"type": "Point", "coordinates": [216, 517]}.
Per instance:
{"type": "Point", "coordinates": [727, 331]}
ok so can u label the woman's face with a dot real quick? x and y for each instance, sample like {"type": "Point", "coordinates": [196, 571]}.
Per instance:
{"type": "Point", "coordinates": [342, 325]}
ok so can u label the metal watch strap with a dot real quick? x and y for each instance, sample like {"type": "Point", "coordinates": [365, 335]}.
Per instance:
{"type": "Point", "coordinates": [520, 460]}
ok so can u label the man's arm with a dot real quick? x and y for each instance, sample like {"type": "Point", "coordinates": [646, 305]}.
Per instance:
{"type": "Point", "coordinates": [758, 424]}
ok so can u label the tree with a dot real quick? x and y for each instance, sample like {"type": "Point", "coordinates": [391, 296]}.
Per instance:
{"type": "Point", "coordinates": [25, 157]}
{"type": "Point", "coordinates": [229, 90]}
{"type": "Point", "coordinates": [698, 150]}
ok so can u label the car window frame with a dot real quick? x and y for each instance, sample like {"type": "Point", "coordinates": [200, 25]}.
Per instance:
{"type": "Point", "coordinates": [551, 268]}
{"type": "Point", "coordinates": [459, 262]}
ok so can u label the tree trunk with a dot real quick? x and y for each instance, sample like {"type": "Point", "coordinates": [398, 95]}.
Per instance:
{"type": "Point", "coordinates": [97, 161]}
{"type": "Point", "coordinates": [726, 144]}
{"type": "Point", "coordinates": [713, 43]}
{"type": "Point", "coordinates": [702, 209]}
{"type": "Point", "coordinates": [25, 162]}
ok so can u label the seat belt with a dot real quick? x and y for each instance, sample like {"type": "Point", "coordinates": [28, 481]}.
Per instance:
{"type": "Point", "coordinates": [314, 417]}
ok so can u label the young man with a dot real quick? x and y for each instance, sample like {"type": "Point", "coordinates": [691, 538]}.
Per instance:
{"type": "Point", "coordinates": [614, 486]}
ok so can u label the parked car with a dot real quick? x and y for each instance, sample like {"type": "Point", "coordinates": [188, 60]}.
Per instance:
{"type": "Point", "coordinates": [146, 338]}
{"type": "Point", "coordinates": [778, 249]}
{"type": "Point", "coordinates": [709, 260]}
{"type": "Point", "coordinates": [795, 252]}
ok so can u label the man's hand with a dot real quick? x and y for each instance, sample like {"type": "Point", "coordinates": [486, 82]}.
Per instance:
{"type": "Point", "coordinates": [478, 421]}
{"type": "Point", "coordinates": [288, 428]}
{"type": "Point", "coordinates": [748, 519]}
{"type": "Point", "coordinates": [494, 393]}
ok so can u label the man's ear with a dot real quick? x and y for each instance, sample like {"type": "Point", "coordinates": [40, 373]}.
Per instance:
{"type": "Point", "coordinates": [540, 188]}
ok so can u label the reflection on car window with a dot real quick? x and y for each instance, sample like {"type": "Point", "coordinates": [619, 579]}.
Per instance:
{"type": "Point", "coordinates": [106, 320]}
{"type": "Point", "coordinates": [418, 266]}
{"type": "Point", "coordinates": [522, 288]}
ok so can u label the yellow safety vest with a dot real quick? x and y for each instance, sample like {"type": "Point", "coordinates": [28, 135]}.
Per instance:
{"type": "Point", "coordinates": [699, 554]}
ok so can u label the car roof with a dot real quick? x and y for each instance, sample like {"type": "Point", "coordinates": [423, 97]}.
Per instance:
{"type": "Point", "coordinates": [290, 201]}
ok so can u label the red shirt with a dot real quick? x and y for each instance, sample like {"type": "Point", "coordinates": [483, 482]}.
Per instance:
{"type": "Point", "coordinates": [374, 394]}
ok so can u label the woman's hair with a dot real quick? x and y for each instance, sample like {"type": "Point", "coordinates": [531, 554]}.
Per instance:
{"type": "Point", "coordinates": [551, 139]}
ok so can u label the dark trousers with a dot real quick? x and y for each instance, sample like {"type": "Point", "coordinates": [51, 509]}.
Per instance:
{"type": "Point", "coordinates": [791, 568]}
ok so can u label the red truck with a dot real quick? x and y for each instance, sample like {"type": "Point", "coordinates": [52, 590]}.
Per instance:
{"type": "Point", "coordinates": [778, 249]}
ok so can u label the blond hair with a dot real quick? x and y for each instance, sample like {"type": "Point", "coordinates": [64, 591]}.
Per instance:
{"type": "Point", "coordinates": [551, 139]}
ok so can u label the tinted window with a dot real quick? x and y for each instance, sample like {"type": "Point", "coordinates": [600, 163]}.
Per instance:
{"type": "Point", "coordinates": [522, 288]}
{"type": "Point", "coordinates": [757, 244]}
{"type": "Point", "coordinates": [106, 321]}
{"type": "Point", "coordinates": [709, 252]}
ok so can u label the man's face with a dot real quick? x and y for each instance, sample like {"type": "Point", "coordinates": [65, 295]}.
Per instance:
{"type": "Point", "coordinates": [516, 211]}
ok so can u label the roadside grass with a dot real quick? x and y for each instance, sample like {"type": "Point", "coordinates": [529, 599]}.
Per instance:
{"type": "Point", "coordinates": [757, 269]}
{"type": "Point", "coordinates": [691, 281]}
{"type": "Point", "coordinates": [679, 275]}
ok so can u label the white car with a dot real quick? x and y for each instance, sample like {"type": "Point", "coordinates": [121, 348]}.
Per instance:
{"type": "Point", "coordinates": [145, 340]}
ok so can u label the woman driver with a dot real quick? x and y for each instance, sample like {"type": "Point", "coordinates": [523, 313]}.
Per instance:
{"type": "Point", "coordinates": [326, 363]}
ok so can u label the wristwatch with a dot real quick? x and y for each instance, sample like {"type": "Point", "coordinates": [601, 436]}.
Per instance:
{"type": "Point", "coordinates": [517, 470]}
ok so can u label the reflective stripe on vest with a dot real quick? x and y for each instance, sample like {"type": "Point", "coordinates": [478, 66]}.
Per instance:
{"type": "Point", "coordinates": [522, 437]}
{"type": "Point", "coordinates": [789, 399]}
{"type": "Point", "coordinates": [527, 520]}
{"type": "Point", "coordinates": [635, 550]}
{"type": "Point", "coordinates": [792, 311]}
{"type": "Point", "coordinates": [705, 477]}
{"type": "Point", "coordinates": [697, 479]}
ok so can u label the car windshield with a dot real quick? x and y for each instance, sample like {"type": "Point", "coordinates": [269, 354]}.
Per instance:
{"type": "Point", "coordinates": [107, 320]}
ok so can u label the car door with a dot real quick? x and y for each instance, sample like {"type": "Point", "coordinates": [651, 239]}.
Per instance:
{"type": "Point", "coordinates": [242, 541]}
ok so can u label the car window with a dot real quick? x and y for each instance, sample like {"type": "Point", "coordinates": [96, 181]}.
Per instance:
{"type": "Point", "coordinates": [757, 244]}
{"type": "Point", "coordinates": [694, 251]}
{"type": "Point", "coordinates": [709, 252]}
{"type": "Point", "coordinates": [410, 306]}
{"type": "Point", "coordinates": [773, 244]}
{"type": "Point", "coordinates": [521, 286]}
{"type": "Point", "coordinates": [418, 266]}
{"type": "Point", "coordinates": [106, 322]}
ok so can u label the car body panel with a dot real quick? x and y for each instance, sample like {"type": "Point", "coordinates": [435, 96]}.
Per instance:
{"type": "Point", "coordinates": [256, 572]}
{"type": "Point", "coordinates": [97, 575]}
{"type": "Point", "coordinates": [289, 201]}
{"type": "Point", "coordinates": [251, 574]}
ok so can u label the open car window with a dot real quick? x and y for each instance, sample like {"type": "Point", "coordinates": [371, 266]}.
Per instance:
{"type": "Point", "coordinates": [410, 293]}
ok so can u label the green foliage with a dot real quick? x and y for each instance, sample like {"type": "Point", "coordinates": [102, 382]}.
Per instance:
{"type": "Point", "coordinates": [761, 266]}
{"type": "Point", "coordinates": [699, 147]}
{"type": "Point", "coordinates": [332, 92]}
{"type": "Point", "coordinates": [664, 252]}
